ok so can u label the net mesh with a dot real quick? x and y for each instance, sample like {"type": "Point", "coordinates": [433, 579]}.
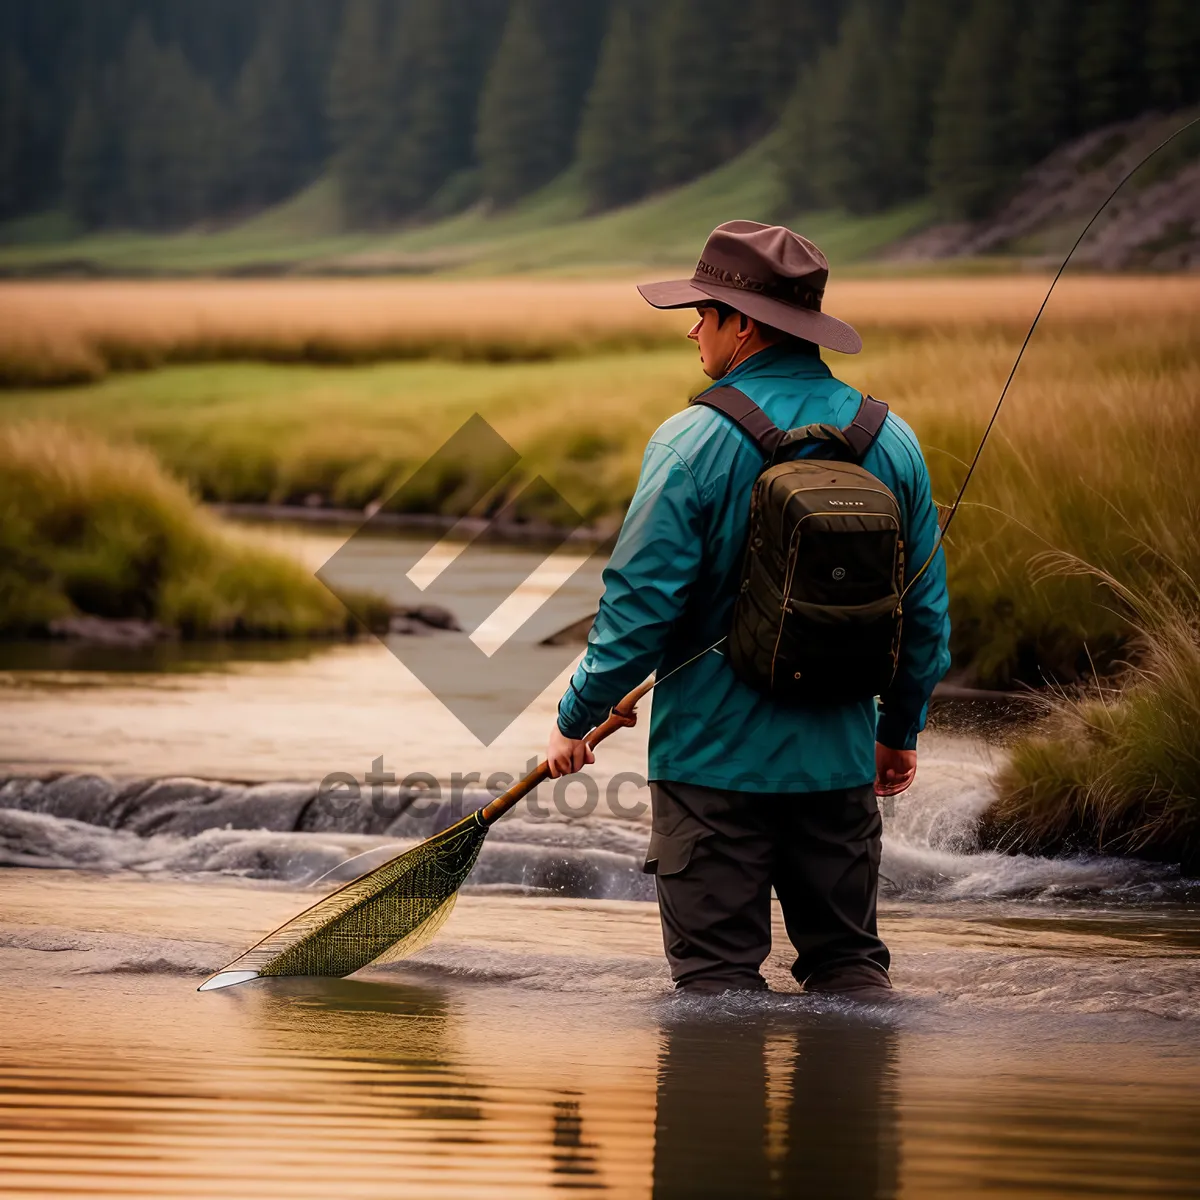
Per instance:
{"type": "Point", "coordinates": [388, 913]}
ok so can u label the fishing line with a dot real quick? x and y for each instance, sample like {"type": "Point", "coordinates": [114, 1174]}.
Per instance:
{"type": "Point", "coordinates": [394, 845]}
{"type": "Point", "coordinates": [945, 527]}
{"type": "Point", "coordinates": [353, 858]}
{"type": "Point", "coordinates": [1028, 337]}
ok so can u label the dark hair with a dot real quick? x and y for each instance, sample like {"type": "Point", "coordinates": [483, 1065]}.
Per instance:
{"type": "Point", "coordinates": [776, 337]}
{"type": "Point", "coordinates": [723, 311]}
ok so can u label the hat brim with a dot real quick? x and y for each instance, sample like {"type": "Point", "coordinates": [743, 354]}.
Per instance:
{"type": "Point", "coordinates": [804, 323]}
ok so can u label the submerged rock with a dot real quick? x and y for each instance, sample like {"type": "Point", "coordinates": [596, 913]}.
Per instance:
{"type": "Point", "coordinates": [575, 634]}
{"type": "Point", "coordinates": [109, 631]}
{"type": "Point", "coordinates": [433, 615]}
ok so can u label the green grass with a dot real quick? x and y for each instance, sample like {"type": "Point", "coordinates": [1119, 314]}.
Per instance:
{"type": "Point", "coordinates": [550, 232]}
{"type": "Point", "coordinates": [1094, 454]}
{"type": "Point", "coordinates": [260, 432]}
{"type": "Point", "coordinates": [1117, 770]}
{"type": "Point", "coordinates": [91, 528]}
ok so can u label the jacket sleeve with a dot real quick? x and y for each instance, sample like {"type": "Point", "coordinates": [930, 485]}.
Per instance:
{"type": "Point", "coordinates": [646, 585]}
{"type": "Point", "coordinates": [925, 638]}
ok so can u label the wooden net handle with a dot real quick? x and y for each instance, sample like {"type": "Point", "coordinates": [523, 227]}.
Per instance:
{"type": "Point", "coordinates": [622, 715]}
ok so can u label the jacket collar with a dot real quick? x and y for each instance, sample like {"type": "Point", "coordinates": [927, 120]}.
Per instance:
{"type": "Point", "coordinates": [774, 360]}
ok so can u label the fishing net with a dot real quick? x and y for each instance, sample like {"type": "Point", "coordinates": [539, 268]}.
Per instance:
{"type": "Point", "coordinates": [387, 914]}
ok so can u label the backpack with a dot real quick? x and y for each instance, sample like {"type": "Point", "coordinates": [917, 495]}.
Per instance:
{"type": "Point", "coordinates": [817, 616]}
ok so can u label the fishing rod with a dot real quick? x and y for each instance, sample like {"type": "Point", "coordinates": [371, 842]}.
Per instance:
{"type": "Point", "coordinates": [395, 909]}
{"type": "Point", "coordinates": [398, 907]}
{"type": "Point", "coordinates": [945, 526]}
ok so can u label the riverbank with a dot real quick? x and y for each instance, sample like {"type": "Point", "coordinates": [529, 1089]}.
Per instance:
{"type": "Point", "coordinates": [1109, 355]}
{"type": "Point", "coordinates": [1116, 768]}
{"type": "Point", "coordinates": [99, 543]}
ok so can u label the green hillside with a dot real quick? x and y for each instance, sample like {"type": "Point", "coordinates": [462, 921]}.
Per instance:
{"type": "Point", "coordinates": [549, 231]}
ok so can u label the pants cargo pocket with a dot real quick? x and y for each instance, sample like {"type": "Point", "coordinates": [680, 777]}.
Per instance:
{"type": "Point", "coordinates": [670, 853]}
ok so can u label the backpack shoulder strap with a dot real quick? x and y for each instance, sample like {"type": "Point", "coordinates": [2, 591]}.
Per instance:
{"type": "Point", "coordinates": [864, 429]}
{"type": "Point", "coordinates": [748, 417]}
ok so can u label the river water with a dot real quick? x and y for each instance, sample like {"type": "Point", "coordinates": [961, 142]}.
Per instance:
{"type": "Point", "coordinates": [1046, 1041]}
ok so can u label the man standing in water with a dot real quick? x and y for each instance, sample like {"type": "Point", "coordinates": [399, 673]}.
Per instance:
{"type": "Point", "coordinates": [750, 794]}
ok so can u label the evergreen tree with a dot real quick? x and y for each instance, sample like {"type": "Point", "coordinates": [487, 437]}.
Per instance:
{"type": "Point", "coordinates": [1112, 45]}
{"type": "Point", "coordinates": [447, 43]}
{"type": "Point", "coordinates": [972, 150]}
{"type": "Point", "coordinates": [694, 107]}
{"type": "Point", "coordinates": [360, 116]}
{"type": "Point", "coordinates": [924, 39]}
{"type": "Point", "coordinates": [615, 151]}
{"type": "Point", "coordinates": [161, 112]}
{"type": "Point", "coordinates": [279, 101]}
{"type": "Point", "coordinates": [1046, 103]}
{"type": "Point", "coordinates": [798, 157]}
{"type": "Point", "coordinates": [93, 168]}
{"type": "Point", "coordinates": [851, 147]}
{"type": "Point", "coordinates": [1173, 52]}
{"type": "Point", "coordinates": [171, 134]}
{"type": "Point", "coordinates": [14, 102]}
{"type": "Point", "coordinates": [514, 153]}
{"type": "Point", "coordinates": [529, 109]}
{"type": "Point", "coordinates": [270, 130]}
{"type": "Point", "coordinates": [769, 42]}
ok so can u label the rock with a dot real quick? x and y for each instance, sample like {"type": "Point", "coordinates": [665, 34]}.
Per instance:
{"type": "Point", "coordinates": [409, 627]}
{"type": "Point", "coordinates": [1151, 225]}
{"type": "Point", "coordinates": [109, 631]}
{"type": "Point", "coordinates": [21, 792]}
{"type": "Point", "coordinates": [152, 809]}
{"type": "Point", "coordinates": [87, 798]}
{"type": "Point", "coordinates": [339, 810]}
{"type": "Point", "coordinates": [575, 634]}
{"type": "Point", "coordinates": [314, 500]}
{"type": "Point", "coordinates": [277, 807]}
{"type": "Point", "coordinates": [432, 615]}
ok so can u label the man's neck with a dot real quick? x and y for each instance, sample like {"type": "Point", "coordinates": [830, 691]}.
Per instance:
{"type": "Point", "coordinates": [746, 351]}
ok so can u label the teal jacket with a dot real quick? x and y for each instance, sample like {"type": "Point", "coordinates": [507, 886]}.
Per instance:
{"type": "Point", "coordinates": [669, 590]}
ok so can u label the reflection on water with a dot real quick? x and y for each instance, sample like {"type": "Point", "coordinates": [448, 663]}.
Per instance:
{"type": "Point", "coordinates": [542, 1050]}
{"type": "Point", "coordinates": [165, 657]}
{"type": "Point", "coordinates": [295, 710]}
{"type": "Point", "coordinates": [1044, 1049]}
{"type": "Point", "coordinates": [776, 1108]}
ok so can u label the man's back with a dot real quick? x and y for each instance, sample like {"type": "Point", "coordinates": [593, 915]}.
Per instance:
{"type": "Point", "coordinates": [672, 579]}
{"type": "Point", "coordinates": [753, 798]}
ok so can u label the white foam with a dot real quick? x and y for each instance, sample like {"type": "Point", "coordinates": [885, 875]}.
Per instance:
{"type": "Point", "coordinates": [930, 849]}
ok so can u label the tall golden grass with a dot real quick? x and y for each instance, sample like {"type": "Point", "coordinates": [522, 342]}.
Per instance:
{"type": "Point", "coordinates": [71, 332]}
{"type": "Point", "coordinates": [1093, 455]}
{"type": "Point", "coordinates": [55, 333]}
{"type": "Point", "coordinates": [1117, 767]}
{"type": "Point", "coordinates": [87, 527]}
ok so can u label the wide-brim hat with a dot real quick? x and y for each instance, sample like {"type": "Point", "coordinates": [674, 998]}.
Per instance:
{"type": "Point", "coordinates": [767, 272]}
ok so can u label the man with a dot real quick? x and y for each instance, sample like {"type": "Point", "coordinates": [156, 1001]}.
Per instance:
{"type": "Point", "coordinates": [750, 795]}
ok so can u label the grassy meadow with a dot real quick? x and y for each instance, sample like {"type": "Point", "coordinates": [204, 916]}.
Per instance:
{"type": "Point", "coordinates": [1116, 769]}
{"type": "Point", "coordinates": [1093, 454]}
{"type": "Point", "coordinates": [94, 528]}
{"type": "Point", "coordinates": [308, 392]}
{"type": "Point", "coordinates": [55, 333]}
{"type": "Point", "coordinates": [555, 229]}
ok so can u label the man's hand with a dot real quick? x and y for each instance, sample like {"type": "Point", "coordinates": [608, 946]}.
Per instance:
{"type": "Point", "coordinates": [567, 755]}
{"type": "Point", "coordinates": [894, 770]}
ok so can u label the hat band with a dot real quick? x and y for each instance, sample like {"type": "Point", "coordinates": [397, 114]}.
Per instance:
{"type": "Point", "coordinates": [795, 292]}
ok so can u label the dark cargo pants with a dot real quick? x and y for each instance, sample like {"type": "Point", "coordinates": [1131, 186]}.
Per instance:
{"type": "Point", "coordinates": [716, 855]}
